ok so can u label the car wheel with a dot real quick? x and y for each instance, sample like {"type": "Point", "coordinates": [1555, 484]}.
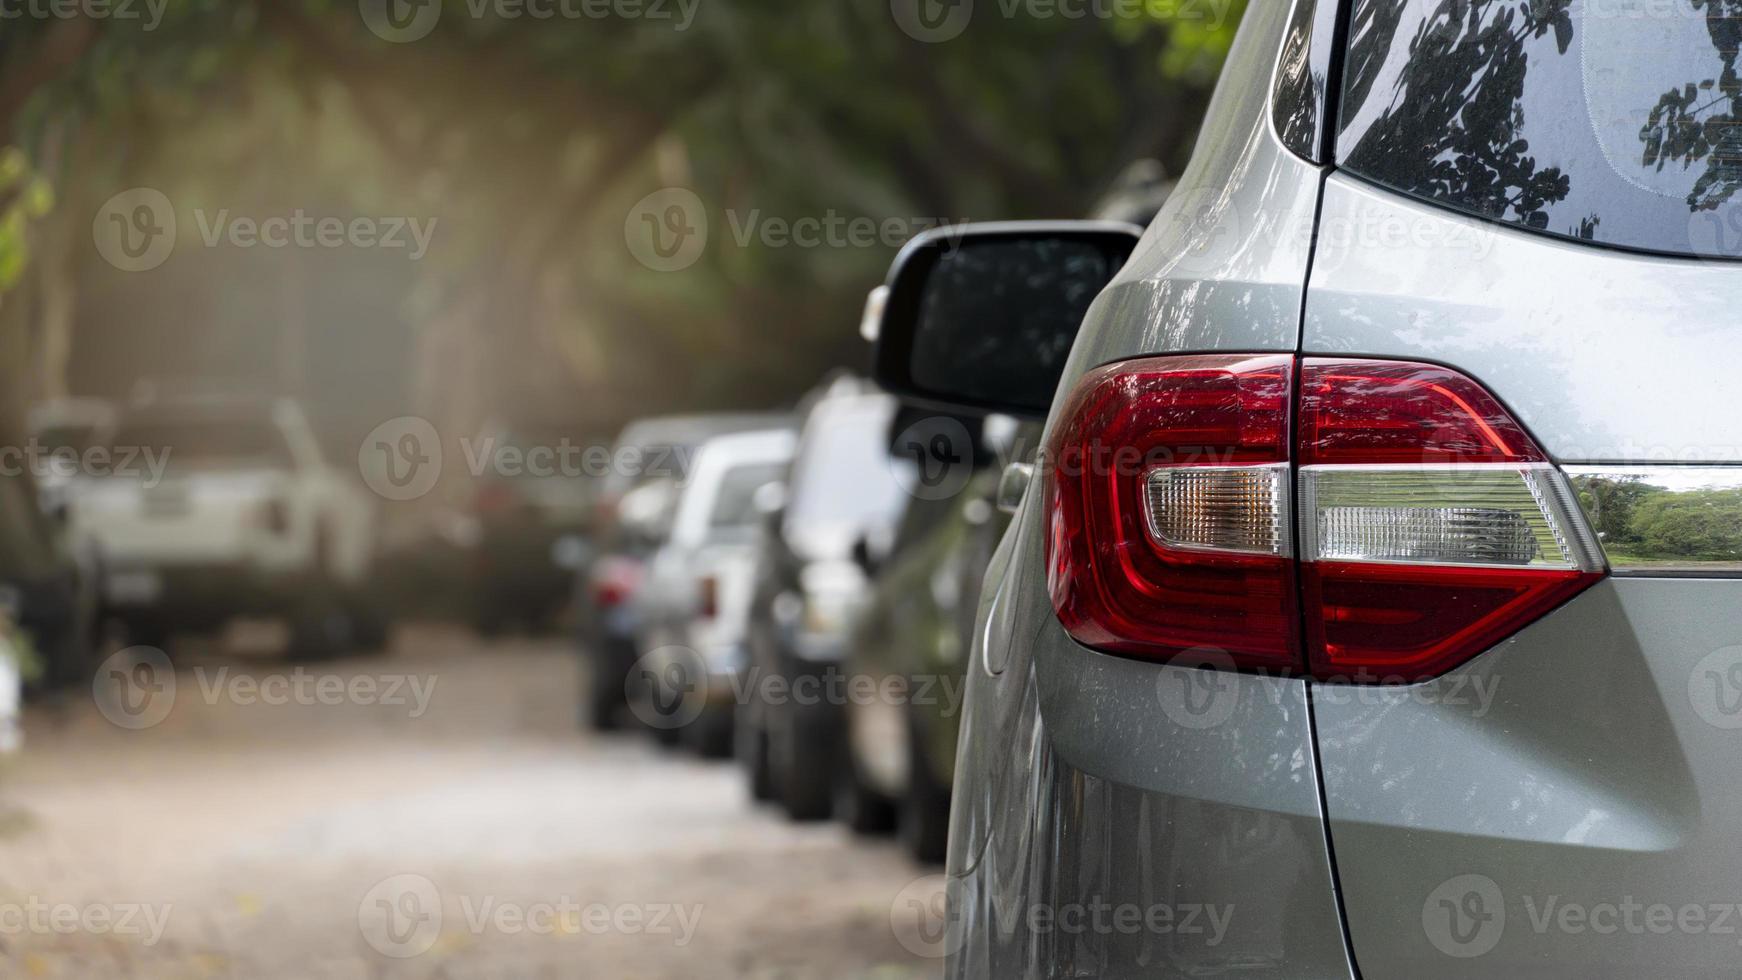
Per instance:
{"type": "Point", "coordinates": [862, 809]}
{"type": "Point", "coordinates": [750, 744]}
{"type": "Point", "coordinates": [320, 628]}
{"type": "Point", "coordinates": [925, 811]}
{"type": "Point", "coordinates": [604, 699]}
{"type": "Point", "coordinates": [371, 627]}
{"type": "Point", "coordinates": [804, 764]}
{"type": "Point", "coordinates": [710, 736]}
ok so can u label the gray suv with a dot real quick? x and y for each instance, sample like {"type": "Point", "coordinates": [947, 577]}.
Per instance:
{"type": "Point", "coordinates": [1373, 608]}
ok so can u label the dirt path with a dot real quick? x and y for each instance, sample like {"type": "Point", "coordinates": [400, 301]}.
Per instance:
{"type": "Point", "coordinates": [433, 813]}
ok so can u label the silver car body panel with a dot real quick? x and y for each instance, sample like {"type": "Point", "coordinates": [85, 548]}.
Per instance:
{"type": "Point", "coordinates": [1223, 264]}
{"type": "Point", "coordinates": [1566, 804]}
{"type": "Point", "coordinates": [1554, 328]}
{"type": "Point", "coordinates": [1563, 806]}
{"type": "Point", "coordinates": [1084, 779]}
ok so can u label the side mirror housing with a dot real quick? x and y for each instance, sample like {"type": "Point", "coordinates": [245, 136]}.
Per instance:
{"type": "Point", "coordinates": [769, 501]}
{"type": "Point", "coordinates": [981, 317]}
{"type": "Point", "coordinates": [863, 557]}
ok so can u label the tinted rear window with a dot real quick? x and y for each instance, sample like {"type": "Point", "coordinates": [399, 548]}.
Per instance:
{"type": "Point", "coordinates": [1614, 121]}
{"type": "Point", "coordinates": [214, 442]}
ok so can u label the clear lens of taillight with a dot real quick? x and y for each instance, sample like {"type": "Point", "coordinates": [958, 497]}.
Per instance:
{"type": "Point", "coordinates": [1167, 505]}
{"type": "Point", "coordinates": [1430, 525]}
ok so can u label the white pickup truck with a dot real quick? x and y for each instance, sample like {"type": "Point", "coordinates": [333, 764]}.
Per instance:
{"type": "Point", "coordinates": [229, 509]}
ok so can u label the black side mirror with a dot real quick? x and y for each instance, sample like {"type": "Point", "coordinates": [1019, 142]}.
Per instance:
{"type": "Point", "coordinates": [982, 317]}
{"type": "Point", "coordinates": [769, 502]}
{"type": "Point", "coordinates": [863, 557]}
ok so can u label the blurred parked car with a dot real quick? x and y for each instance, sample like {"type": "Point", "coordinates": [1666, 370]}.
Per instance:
{"type": "Point", "coordinates": [843, 490]}
{"type": "Point", "coordinates": [632, 515]}
{"type": "Point", "coordinates": [246, 518]}
{"type": "Point", "coordinates": [911, 640]}
{"type": "Point", "coordinates": [532, 517]}
{"type": "Point", "coordinates": [11, 692]}
{"type": "Point", "coordinates": [693, 608]}
{"type": "Point", "coordinates": [49, 585]}
{"type": "Point", "coordinates": [66, 430]}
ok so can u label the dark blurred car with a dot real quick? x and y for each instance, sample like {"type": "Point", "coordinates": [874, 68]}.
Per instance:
{"type": "Point", "coordinates": [632, 513]}
{"type": "Point", "coordinates": [532, 513]}
{"type": "Point", "coordinates": [843, 489]}
{"type": "Point", "coordinates": [910, 644]}
{"type": "Point", "coordinates": [48, 585]}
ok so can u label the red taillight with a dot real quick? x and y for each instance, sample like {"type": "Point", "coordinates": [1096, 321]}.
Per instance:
{"type": "Point", "coordinates": [1430, 525]}
{"type": "Point", "coordinates": [495, 499]}
{"type": "Point", "coordinates": [614, 581]}
{"type": "Point", "coordinates": [1207, 433]}
{"type": "Point", "coordinates": [710, 597]}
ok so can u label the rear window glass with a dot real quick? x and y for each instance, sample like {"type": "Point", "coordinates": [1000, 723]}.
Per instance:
{"type": "Point", "coordinates": [844, 482]}
{"type": "Point", "coordinates": [210, 443]}
{"type": "Point", "coordinates": [1613, 121]}
{"type": "Point", "coordinates": [735, 500]}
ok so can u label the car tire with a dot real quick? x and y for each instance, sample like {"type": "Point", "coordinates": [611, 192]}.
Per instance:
{"type": "Point", "coordinates": [750, 745]}
{"type": "Point", "coordinates": [147, 631]}
{"type": "Point", "coordinates": [710, 736]}
{"type": "Point", "coordinates": [925, 810]}
{"type": "Point", "coordinates": [320, 627]}
{"type": "Point", "coordinates": [860, 808]}
{"type": "Point", "coordinates": [605, 703]}
{"type": "Point", "coordinates": [803, 750]}
{"type": "Point", "coordinates": [371, 627]}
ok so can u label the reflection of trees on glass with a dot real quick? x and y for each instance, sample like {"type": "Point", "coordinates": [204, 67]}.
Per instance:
{"type": "Point", "coordinates": [1637, 519]}
{"type": "Point", "coordinates": [1703, 120]}
{"type": "Point", "coordinates": [1464, 82]}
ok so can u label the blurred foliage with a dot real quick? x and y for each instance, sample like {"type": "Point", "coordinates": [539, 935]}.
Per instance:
{"type": "Point", "coordinates": [532, 140]}
{"type": "Point", "coordinates": [1637, 519]}
{"type": "Point", "coordinates": [1703, 524]}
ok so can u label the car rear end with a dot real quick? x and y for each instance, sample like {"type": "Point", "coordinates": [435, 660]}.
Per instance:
{"type": "Point", "coordinates": [1566, 804]}
{"type": "Point", "coordinates": [1403, 638]}
{"type": "Point", "coordinates": [206, 522]}
{"type": "Point", "coordinates": [694, 608]}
